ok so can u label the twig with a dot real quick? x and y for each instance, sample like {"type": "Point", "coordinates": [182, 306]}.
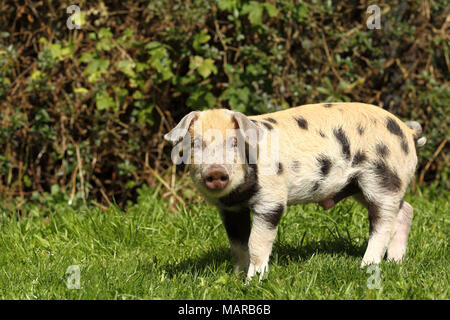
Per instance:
{"type": "Point", "coordinates": [163, 117]}
{"type": "Point", "coordinates": [172, 182]}
{"type": "Point", "coordinates": [435, 154]}
{"type": "Point", "coordinates": [225, 48]}
{"type": "Point", "coordinates": [99, 205]}
{"type": "Point", "coordinates": [330, 60]}
{"type": "Point", "coordinates": [102, 189]}
{"type": "Point", "coordinates": [157, 176]}
{"type": "Point", "coordinates": [80, 172]}
{"type": "Point", "coordinates": [74, 182]}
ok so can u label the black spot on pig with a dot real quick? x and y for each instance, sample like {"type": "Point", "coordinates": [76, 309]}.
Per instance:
{"type": "Point", "coordinates": [374, 216]}
{"type": "Point", "coordinates": [273, 216]}
{"type": "Point", "coordinates": [361, 130]}
{"type": "Point", "coordinates": [315, 186]}
{"type": "Point", "coordinates": [279, 168]}
{"type": "Point", "coordinates": [325, 165]}
{"type": "Point", "coordinates": [343, 140]}
{"type": "Point", "coordinates": [404, 146]}
{"type": "Point", "coordinates": [302, 123]}
{"type": "Point", "coordinates": [237, 224]}
{"type": "Point", "coordinates": [322, 134]}
{"type": "Point", "coordinates": [394, 128]}
{"type": "Point", "coordinates": [382, 150]}
{"type": "Point", "coordinates": [359, 158]}
{"type": "Point", "coordinates": [387, 178]}
{"type": "Point", "coordinates": [350, 189]}
{"type": "Point", "coordinates": [244, 192]}
{"type": "Point", "coordinates": [267, 125]}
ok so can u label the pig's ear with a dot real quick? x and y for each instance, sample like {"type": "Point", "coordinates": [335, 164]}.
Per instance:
{"type": "Point", "coordinates": [181, 129]}
{"type": "Point", "coordinates": [248, 128]}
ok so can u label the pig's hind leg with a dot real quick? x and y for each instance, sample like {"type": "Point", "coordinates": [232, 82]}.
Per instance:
{"type": "Point", "coordinates": [397, 247]}
{"type": "Point", "coordinates": [382, 194]}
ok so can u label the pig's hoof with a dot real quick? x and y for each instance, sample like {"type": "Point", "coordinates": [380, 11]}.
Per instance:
{"type": "Point", "coordinates": [262, 269]}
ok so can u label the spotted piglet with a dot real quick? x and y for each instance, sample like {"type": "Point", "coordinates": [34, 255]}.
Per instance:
{"type": "Point", "coordinates": [318, 153]}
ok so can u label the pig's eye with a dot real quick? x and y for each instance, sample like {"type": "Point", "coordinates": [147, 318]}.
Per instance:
{"type": "Point", "coordinates": [232, 142]}
{"type": "Point", "coordinates": [197, 143]}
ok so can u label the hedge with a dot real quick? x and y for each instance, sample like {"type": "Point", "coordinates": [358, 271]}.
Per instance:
{"type": "Point", "coordinates": [83, 110]}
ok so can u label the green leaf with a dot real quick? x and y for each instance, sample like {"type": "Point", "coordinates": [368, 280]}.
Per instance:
{"type": "Point", "coordinates": [130, 184]}
{"type": "Point", "coordinates": [104, 44]}
{"type": "Point", "coordinates": [302, 12]}
{"type": "Point", "coordinates": [87, 57]}
{"type": "Point", "coordinates": [152, 45]}
{"type": "Point", "coordinates": [105, 33]}
{"type": "Point", "coordinates": [37, 75]}
{"type": "Point", "coordinates": [323, 90]}
{"type": "Point", "coordinates": [96, 68]}
{"type": "Point", "coordinates": [103, 100]}
{"type": "Point", "coordinates": [206, 68]}
{"type": "Point", "coordinates": [201, 98]}
{"type": "Point", "coordinates": [160, 60]}
{"type": "Point", "coordinates": [141, 66]}
{"type": "Point", "coordinates": [238, 98]}
{"type": "Point", "coordinates": [329, 84]}
{"type": "Point", "coordinates": [127, 67]}
{"type": "Point", "coordinates": [27, 181]}
{"type": "Point", "coordinates": [200, 39]}
{"type": "Point", "coordinates": [97, 65]}
{"type": "Point", "coordinates": [137, 95]}
{"type": "Point", "coordinates": [55, 189]}
{"type": "Point", "coordinates": [271, 10]}
{"type": "Point", "coordinates": [81, 90]}
{"type": "Point", "coordinates": [195, 62]}
{"type": "Point", "coordinates": [254, 10]}
{"type": "Point", "coordinates": [145, 115]}
{"type": "Point", "coordinates": [203, 66]}
{"type": "Point", "coordinates": [226, 5]}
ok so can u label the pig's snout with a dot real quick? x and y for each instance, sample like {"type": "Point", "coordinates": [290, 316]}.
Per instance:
{"type": "Point", "coordinates": [216, 178]}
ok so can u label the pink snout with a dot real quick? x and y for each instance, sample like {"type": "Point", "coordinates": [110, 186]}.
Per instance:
{"type": "Point", "coordinates": [216, 178]}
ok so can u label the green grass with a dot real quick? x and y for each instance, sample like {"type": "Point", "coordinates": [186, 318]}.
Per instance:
{"type": "Point", "coordinates": [149, 253]}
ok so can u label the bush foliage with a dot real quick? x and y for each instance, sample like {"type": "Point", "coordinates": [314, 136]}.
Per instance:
{"type": "Point", "coordinates": [83, 111]}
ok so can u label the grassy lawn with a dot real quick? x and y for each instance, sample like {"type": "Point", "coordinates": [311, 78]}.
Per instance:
{"type": "Point", "coordinates": [149, 253]}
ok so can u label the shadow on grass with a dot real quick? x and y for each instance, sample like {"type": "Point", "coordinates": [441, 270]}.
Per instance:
{"type": "Point", "coordinates": [212, 260]}
{"type": "Point", "coordinates": [287, 253]}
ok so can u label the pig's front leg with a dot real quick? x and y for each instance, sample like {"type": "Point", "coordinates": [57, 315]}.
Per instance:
{"type": "Point", "coordinates": [264, 230]}
{"type": "Point", "coordinates": [237, 225]}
